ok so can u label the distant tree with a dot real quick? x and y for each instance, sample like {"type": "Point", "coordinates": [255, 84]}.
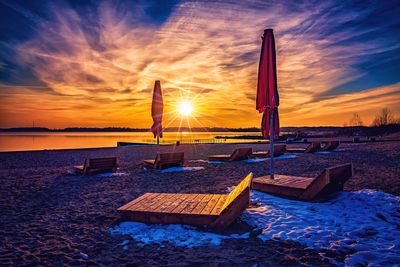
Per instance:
{"type": "Point", "coordinates": [356, 120]}
{"type": "Point", "coordinates": [384, 118]}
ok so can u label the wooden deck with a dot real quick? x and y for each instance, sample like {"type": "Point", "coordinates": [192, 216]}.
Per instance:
{"type": "Point", "coordinates": [292, 186]}
{"type": "Point", "coordinates": [305, 188]}
{"type": "Point", "coordinates": [214, 210]}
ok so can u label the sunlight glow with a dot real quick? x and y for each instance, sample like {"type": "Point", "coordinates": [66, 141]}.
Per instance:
{"type": "Point", "coordinates": [185, 108]}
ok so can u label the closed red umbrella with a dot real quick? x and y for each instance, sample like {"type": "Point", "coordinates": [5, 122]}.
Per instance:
{"type": "Point", "coordinates": [267, 91]}
{"type": "Point", "coordinates": [157, 111]}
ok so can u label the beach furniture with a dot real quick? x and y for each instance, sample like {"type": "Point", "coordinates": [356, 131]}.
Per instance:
{"type": "Point", "coordinates": [305, 188]}
{"type": "Point", "coordinates": [98, 165]}
{"type": "Point", "coordinates": [166, 160]}
{"type": "Point", "coordinates": [212, 210]}
{"type": "Point", "coordinates": [238, 154]}
{"type": "Point", "coordinates": [279, 150]}
{"type": "Point", "coordinates": [331, 145]}
{"type": "Point", "coordinates": [311, 148]}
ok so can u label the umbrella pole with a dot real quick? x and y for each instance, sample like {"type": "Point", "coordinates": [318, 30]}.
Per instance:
{"type": "Point", "coordinates": [158, 138]}
{"type": "Point", "coordinates": [271, 141]}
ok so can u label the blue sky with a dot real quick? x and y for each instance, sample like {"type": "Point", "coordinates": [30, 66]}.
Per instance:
{"type": "Point", "coordinates": [93, 63]}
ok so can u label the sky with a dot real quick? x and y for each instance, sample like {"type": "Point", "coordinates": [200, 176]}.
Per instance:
{"type": "Point", "coordinates": [94, 63]}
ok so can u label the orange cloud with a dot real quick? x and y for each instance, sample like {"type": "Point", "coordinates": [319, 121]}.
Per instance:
{"type": "Point", "coordinates": [207, 54]}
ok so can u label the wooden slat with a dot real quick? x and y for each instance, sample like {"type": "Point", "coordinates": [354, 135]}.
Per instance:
{"type": "Point", "coordinates": [176, 203]}
{"type": "Point", "coordinates": [283, 180]}
{"type": "Point", "coordinates": [220, 204]}
{"type": "Point", "coordinates": [211, 204]}
{"type": "Point", "coordinates": [144, 205]}
{"type": "Point", "coordinates": [187, 201]}
{"type": "Point", "coordinates": [149, 197]}
{"type": "Point", "coordinates": [196, 201]}
{"type": "Point", "coordinates": [167, 201]}
{"type": "Point", "coordinates": [158, 201]}
{"type": "Point", "coordinates": [202, 204]}
{"type": "Point", "coordinates": [133, 202]}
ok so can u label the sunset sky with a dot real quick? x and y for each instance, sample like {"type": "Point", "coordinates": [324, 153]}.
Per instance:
{"type": "Point", "coordinates": [94, 63]}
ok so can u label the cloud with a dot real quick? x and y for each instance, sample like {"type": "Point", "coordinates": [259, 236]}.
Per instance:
{"type": "Point", "coordinates": [208, 52]}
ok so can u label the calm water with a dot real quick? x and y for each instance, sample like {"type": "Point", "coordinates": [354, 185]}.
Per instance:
{"type": "Point", "coordinates": [40, 141]}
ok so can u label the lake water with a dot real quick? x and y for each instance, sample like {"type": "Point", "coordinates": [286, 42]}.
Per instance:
{"type": "Point", "coordinates": [54, 140]}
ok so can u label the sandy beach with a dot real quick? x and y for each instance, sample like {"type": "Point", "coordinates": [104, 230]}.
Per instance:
{"type": "Point", "coordinates": [50, 217]}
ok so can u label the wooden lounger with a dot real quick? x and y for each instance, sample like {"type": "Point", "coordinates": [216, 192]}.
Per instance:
{"type": "Point", "coordinates": [278, 151]}
{"type": "Point", "coordinates": [331, 145]}
{"type": "Point", "coordinates": [305, 188]}
{"type": "Point", "coordinates": [98, 165]}
{"type": "Point", "coordinates": [311, 148]}
{"type": "Point", "coordinates": [238, 154]}
{"type": "Point", "coordinates": [194, 209]}
{"type": "Point", "coordinates": [166, 160]}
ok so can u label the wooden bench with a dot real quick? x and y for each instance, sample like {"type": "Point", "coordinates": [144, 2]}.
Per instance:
{"type": "Point", "coordinates": [279, 150]}
{"type": "Point", "coordinates": [305, 188]}
{"type": "Point", "coordinates": [331, 145]}
{"type": "Point", "coordinates": [238, 154]}
{"type": "Point", "coordinates": [98, 165]}
{"type": "Point", "coordinates": [311, 148]}
{"type": "Point", "coordinates": [212, 210]}
{"type": "Point", "coordinates": [166, 160]}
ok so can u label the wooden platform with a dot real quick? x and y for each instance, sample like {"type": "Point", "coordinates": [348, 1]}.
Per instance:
{"type": "Point", "coordinates": [311, 148]}
{"type": "Point", "coordinates": [305, 188]}
{"type": "Point", "coordinates": [279, 150]}
{"type": "Point", "coordinates": [214, 210]}
{"type": "Point", "coordinates": [238, 154]}
{"type": "Point", "coordinates": [98, 165]}
{"type": "Point", "coordinates": [166, 160]}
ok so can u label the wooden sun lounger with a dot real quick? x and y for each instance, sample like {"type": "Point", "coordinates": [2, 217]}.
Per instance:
{"type": "Point", "coordinates": [238, 154]}
{"type": "Point", "coordinates": [311, 148]}
{"type": "Point", "coordinates": [166, 160]}
{"type": "Point", "coordinates": [331, 145]}
{"type": "Point", "coordinates": [98, 165]}
{"type": "Point", "coordinates": [278, 151]}
{"type": "Point", "coordinates": [195, 209]}
{"type": "Point", "coordinates": [305, 188]}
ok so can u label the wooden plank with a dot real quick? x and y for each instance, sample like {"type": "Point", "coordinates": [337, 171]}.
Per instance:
{"type": "Point", "coordinates": [196, 201]}
{"type": "Point", "coordinates": [187, 201]}
{"type": "Point", "coordinates": [156, 202]}
{"type": "Point", "coordinates": [202, 204]}
{"type": "Point", "coordinates": [148, 198]}
{"type": "Point", "coordinates": [133, 202]}
{"type": "Point", "coordinates": [220, 204]}
{"type": "Point", "coordinates": [167, 201]}
{"type": "Point", "coordinates": [211, 204]}
{"type": "Point", "coordinates": [176, 203]}
{"type": "Point", "coordinates": [219, 157]}
{"type": "Point", "coordinates": [144, 205]}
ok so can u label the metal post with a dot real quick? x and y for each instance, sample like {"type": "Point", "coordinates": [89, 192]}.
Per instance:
{"type": "Point", "coordinates": [271, 141]}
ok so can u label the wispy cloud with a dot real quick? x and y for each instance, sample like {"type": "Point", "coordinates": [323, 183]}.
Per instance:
{"type": "Point", "coordinates": [108, 59]}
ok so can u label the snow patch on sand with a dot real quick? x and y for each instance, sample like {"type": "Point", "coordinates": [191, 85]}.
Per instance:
{"type": "Point", "coordinates": [339, 150]}
{"type": "Point", "coordinates": [216, 162]}
{"type": "Point", "coordinates": [322, 152]}
{"type": "Point", "coordinates": [366, 221]}
{"type": "Point", "coordinates": [198, 160]}
{"type": "Point", "coordinates": [180, 169]}
{"type": "Point", "coordinates": [110, 174]}
{"type": "Point", "coordinates": [265, 159]}
{"type": "Point", "coordinates": [179, 235]}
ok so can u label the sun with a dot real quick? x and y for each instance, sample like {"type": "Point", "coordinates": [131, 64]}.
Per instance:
{"type": "Point", "coordinates": [185, 108]}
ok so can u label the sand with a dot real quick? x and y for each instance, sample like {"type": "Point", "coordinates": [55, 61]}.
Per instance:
{"type": "Point", "coordinates": [50, 217]}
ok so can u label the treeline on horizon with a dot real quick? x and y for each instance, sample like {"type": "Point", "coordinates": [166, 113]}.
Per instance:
{"type": "Point", "coordinates": [304, 131]}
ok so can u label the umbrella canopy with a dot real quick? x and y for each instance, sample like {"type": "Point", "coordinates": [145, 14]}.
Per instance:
{"type": "Point", "coordinates": [157, 110]}
{"type": "Point", "coordinates": [267, 89]}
